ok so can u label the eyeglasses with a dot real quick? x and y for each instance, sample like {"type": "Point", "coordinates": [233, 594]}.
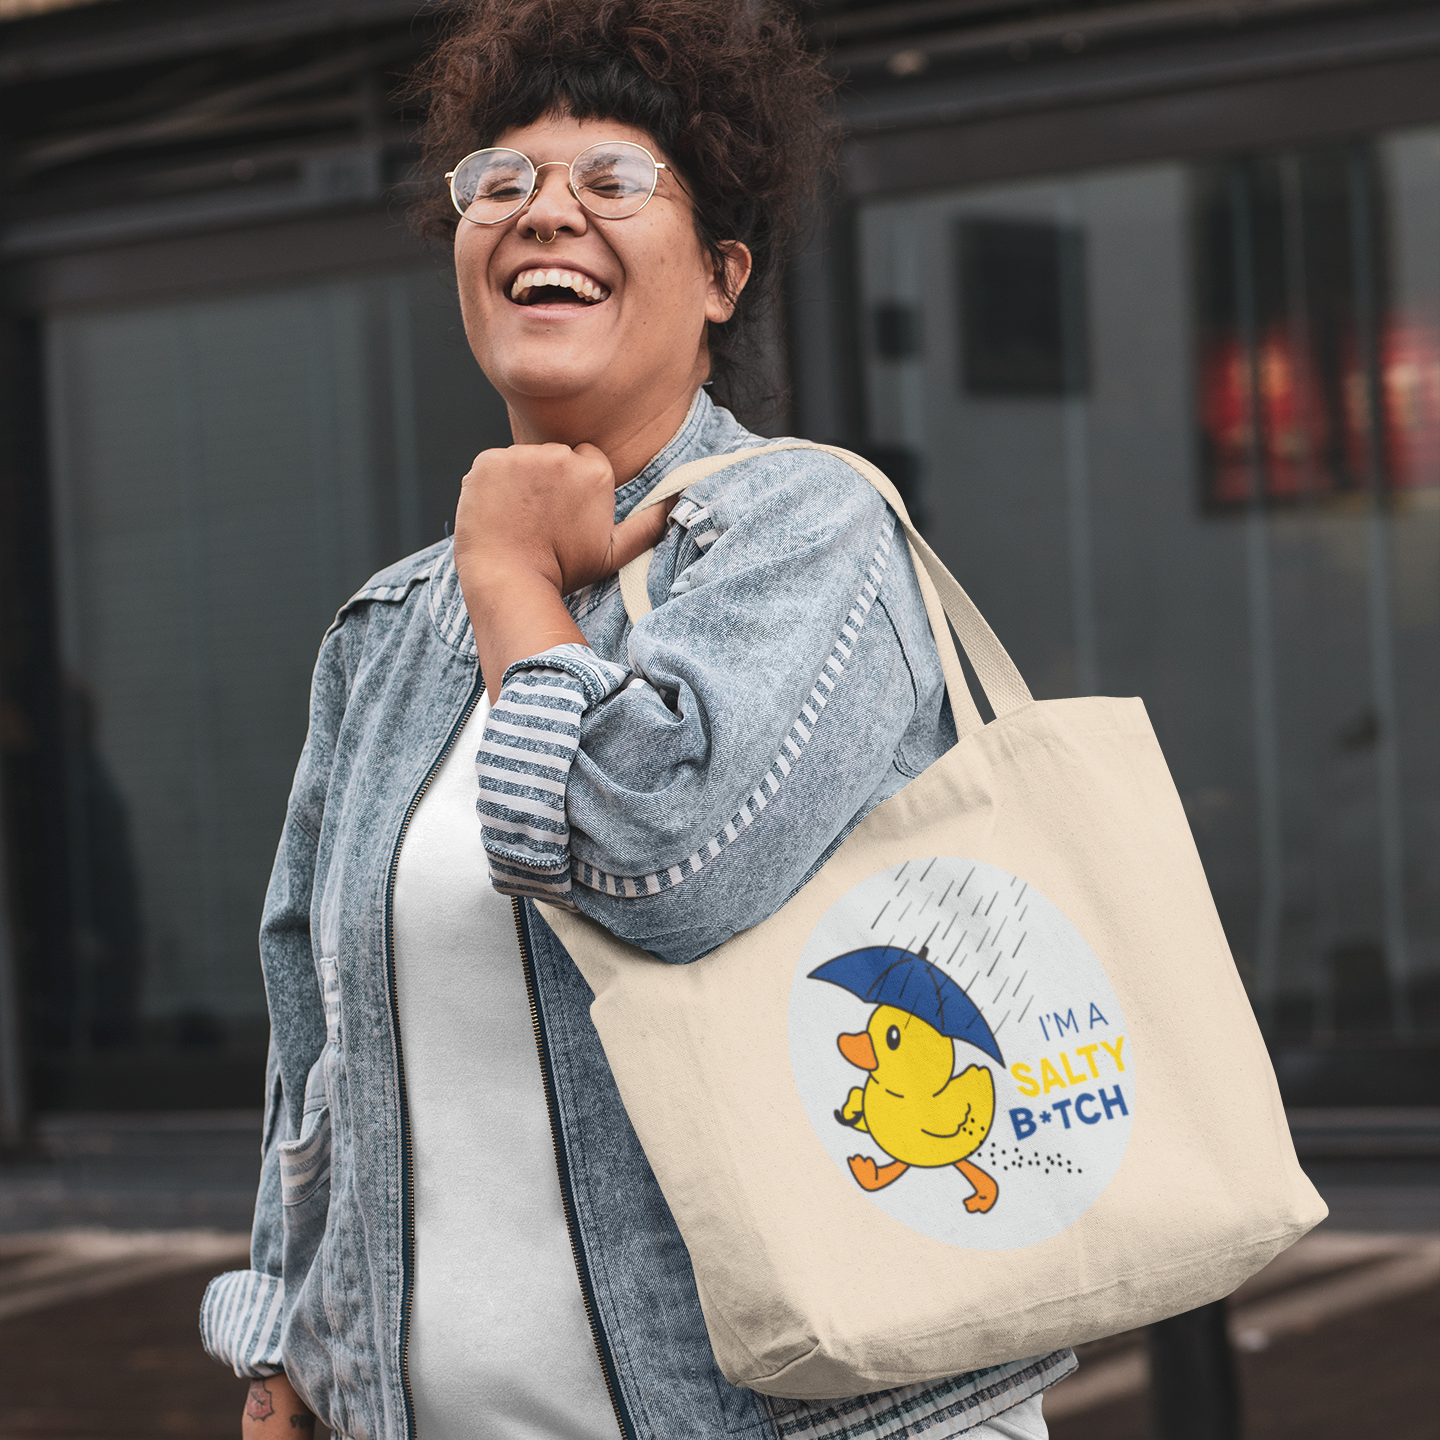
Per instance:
{"type": "Point", "coordinates": [613, 180]}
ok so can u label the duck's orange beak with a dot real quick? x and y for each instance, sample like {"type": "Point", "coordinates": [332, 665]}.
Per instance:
{"type": "Point", "coordinates": [858, 1050]}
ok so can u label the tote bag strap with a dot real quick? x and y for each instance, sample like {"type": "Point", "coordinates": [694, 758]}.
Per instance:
{"type": "Point", "coordinates": [944, 598]}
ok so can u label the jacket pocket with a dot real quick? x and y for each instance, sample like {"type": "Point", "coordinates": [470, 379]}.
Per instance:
{"type": "Point", "coordinates": [305, 1163]}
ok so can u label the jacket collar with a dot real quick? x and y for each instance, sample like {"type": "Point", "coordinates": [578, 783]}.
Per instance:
{"type": "Point", "coordinates": [707, 429]}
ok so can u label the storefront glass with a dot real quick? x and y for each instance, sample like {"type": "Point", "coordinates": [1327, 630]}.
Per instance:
{"type": "Point", "coordinates": [224, 473]}
{"type": "Point", "coordinates": [1177, 429]}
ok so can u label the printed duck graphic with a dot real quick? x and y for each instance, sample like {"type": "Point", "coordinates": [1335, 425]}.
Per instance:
{"type": "Point", "coordinates": [913, 1105]}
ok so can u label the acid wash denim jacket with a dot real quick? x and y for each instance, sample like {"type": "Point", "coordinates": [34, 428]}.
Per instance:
{"type": "Point", "coordinates": [677, 782]}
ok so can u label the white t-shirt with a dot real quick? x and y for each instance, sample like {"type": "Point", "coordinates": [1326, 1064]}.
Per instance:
{"type": "Point", "coordinates": [499, 1343]}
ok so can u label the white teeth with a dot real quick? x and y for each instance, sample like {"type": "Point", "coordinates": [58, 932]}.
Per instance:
{"type": "Point", "coordinates": [528, 279]}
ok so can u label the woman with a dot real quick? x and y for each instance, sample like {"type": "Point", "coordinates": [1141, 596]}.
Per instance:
{"type": "Point", "coordinates": [452, 1239]}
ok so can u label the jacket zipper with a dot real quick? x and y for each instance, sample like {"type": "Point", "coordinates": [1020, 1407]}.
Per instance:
{"type": "Point", "coordinates": [567, 1199]}
{"type": "Point", "coordinates": [407, 1169]}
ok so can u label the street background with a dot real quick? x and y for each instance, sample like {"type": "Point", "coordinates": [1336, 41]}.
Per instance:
{"type": "Point", "coordinates": [1136, 301]}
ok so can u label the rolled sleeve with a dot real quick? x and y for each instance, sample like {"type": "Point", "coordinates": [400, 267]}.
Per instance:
{"type": "Point", "coordinates": [242, 1322]}
{"type": "Point", "coordinates": [528, 748]}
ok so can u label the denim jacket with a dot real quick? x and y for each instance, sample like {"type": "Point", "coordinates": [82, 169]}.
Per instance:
{"type": "Point", "coordinates": [676, 781]}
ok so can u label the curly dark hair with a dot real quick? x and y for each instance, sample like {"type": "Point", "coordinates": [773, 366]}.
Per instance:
{"type": "Point", "coordinates": [726, 88]}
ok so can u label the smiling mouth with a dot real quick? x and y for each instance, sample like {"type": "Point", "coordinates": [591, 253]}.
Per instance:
{"type": "Point", "coordinates": [556, 287]}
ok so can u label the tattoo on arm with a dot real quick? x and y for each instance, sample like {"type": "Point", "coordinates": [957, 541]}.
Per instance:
{"type": "Point", "coordinates": [303, 1422]}
{"type": "Point", "coordinates": [258, 1403]}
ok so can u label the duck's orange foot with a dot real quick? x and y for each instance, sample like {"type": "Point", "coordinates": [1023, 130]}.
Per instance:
{"type": "Point", "coordinates": [987, 1191]}
{"type": "Point", "coordinates": [870, 1176]}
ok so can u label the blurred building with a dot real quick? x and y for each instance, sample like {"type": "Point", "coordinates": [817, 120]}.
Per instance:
{"type": "Point", "coordinates": [1139, 302]}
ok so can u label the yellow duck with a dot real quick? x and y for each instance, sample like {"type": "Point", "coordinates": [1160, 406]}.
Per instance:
{"type": "Point", "coordinates": [914, 1107]}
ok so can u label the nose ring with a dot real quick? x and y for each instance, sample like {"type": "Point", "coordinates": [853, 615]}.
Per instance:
{"type": "Point", "coordinates": [536, 234]}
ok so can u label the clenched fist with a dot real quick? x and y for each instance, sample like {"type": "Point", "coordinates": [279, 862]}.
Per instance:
{"type": "Point", "coordinates": [535, 523]}
{"type": "Point", "coordinates": [549, 510]}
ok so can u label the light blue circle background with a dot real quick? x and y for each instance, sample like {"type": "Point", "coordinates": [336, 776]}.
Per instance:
{"type": "Point", "coordinates": [1042, 991]}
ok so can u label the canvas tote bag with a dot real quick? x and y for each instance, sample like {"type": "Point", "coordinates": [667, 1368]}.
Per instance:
{"type": "Point", "coordinates": [989, 1084]}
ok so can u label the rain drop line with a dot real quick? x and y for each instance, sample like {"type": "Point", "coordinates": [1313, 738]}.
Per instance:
{"type": "Point", "coordinates": [1019, 943]}
{"type": "Point", "coordinates": [881, 911]}
{"type": "Point", "coordinates": [1026, 1010]}
{"type": "Point", "coordinates": [965, 882]}
{"type": "Point", "coordinates": [945, 892]}
{"type": "Point", "coordinates": [991, 905]}
{"type": "Point", "coordinates": [928, 868]}
{"type": "Point", "coordinates": [948, 928]}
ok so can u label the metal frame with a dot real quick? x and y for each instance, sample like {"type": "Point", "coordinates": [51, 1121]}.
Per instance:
{"type": "Point", "coordinates": [67, 43]}
{"type": "Point", "coordinates": [1208, 97]}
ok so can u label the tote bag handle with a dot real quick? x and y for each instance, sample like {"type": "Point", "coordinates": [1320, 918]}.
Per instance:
{"type": "Point", "coordinates": [944, 598]}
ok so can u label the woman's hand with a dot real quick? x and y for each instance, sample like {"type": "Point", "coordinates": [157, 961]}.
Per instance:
{"type": "Point", "coordinates": [273, 1410]}
{"type": "Point", "coordinates": [535, 523]}
{"type": "Point", "coordinates": [546, 511]}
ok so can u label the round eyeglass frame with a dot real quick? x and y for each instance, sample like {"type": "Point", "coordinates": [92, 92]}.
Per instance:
{"type": "Point", "coordinates": [658, 166]}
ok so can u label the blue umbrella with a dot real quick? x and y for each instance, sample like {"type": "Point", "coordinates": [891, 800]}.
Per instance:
{"type": "Point", "coordinates": [886, 975]}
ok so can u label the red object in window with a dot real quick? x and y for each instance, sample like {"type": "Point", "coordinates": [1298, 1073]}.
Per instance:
{"type": "Point", "coordinates": [1411, 387]}
{"type": "Point", "coordinates": [1410, 401]}
{"type": "Point", "coordinates": [1225, 414]}
{"type": "Point", "coordinates": [1295, 425]}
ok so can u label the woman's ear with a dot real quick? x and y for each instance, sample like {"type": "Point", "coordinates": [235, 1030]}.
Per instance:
{"type": "Point", "coordinates": [727, 281]}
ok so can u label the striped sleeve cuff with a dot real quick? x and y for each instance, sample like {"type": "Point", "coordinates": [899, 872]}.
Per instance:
{"type": "Point", "coordinates": [524, 763]}
{"type": "Point", "coordinates": [241, 1319]}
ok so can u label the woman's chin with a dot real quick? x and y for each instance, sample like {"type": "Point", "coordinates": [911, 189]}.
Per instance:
{"type": "Point", "coordinates": [549, 379]}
